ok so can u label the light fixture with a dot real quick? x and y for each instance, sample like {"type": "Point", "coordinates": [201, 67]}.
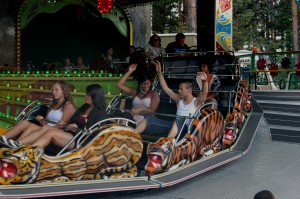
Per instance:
{"type": "Point", "coordinates": [105, 6]}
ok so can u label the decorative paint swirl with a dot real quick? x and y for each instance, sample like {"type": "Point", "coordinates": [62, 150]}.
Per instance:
{"type": "Point", "coordinates": [224, 40]}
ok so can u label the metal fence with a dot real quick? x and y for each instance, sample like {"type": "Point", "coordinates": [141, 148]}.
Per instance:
{"type": "Point", "coordinates": [272, 70]}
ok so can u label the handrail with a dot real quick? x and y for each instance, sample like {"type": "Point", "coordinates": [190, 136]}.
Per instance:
{"type": "Point", "coordinates": [23, 113]}
{"type": "Point", "coordinates": [279, 70]}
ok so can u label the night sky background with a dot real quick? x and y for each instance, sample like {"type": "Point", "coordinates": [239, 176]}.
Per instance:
{"type": "Point", "coordinates": [72, 31]}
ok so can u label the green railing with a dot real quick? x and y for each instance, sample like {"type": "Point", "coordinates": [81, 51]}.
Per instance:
{"type": "Point", "coordinates": [271, 70]}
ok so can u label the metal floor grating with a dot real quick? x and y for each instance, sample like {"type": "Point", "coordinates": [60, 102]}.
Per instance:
{"type": "Point", "coordinates": [268, 165]}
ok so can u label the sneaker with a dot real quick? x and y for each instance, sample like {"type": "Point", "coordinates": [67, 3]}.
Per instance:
{"type": "Point", "coordinates": [3, 139]}
{"type": "Point", "coordinates": [15, 144]}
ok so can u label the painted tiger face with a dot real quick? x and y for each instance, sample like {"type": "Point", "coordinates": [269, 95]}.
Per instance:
{"type": "Point", "coordinates": [159, 155]}
{"type": "Point", "coordinates": [20, 166]}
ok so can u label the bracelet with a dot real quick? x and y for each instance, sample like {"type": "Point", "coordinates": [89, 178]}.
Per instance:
{"type": "Point", "coordinates": [204, 80]}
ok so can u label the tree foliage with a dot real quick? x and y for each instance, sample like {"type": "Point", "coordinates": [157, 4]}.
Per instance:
{"type": "Point", "coordinates": [265, 24]}
{"type": "Point", "coordinates": [262, 23]}
{"type": "Point", "coordinates": [165, 18]}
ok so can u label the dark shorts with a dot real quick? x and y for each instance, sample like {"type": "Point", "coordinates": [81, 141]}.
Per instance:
{"type": "Point", "coordinates": [124, 114]}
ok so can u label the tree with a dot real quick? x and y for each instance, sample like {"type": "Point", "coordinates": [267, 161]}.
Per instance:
{"type": "Point", "coordinates": [260, 23]}
{"type": "Point", "coordinates": [165, 18]}
{"type": "Point", "coordinates": [295, 25]}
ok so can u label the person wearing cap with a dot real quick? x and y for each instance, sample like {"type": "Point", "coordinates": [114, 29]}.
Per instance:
{"type": "Point", "coordinates": [145, 99]}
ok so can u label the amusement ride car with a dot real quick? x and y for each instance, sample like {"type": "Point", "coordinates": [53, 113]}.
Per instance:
{"type": "Point", "coordinates": [112, 156]}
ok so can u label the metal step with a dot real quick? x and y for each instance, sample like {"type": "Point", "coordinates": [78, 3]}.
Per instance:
{"type": "Point", "coordinates": [287, 123]}
{"type": "Point", "coordinates": [276, 93]}
{"type": "Point", "coordinates": [285, 135]}
{"type": "Point", "coordinates": [283, 106]}
{"type": "Point", "coordinates": [271, 97]}
{"type": "Point", "coordinates": [293, 96]}
{"type": "Point", "coordinates": [281, 117]}
{"type": "Point", "coordinates": [279, 108]}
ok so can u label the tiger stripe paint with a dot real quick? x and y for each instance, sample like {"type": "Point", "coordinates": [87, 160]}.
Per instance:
{"type": "Point", "coordinates": [206, 133]}
{"type": "Point", "coordinates": [113, 152]}
{"type": "Point", "coordinates": [235, 119]}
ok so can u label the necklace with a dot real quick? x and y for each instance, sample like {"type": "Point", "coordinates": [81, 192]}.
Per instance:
{"type": "Point", "coordinates": [144, 92]}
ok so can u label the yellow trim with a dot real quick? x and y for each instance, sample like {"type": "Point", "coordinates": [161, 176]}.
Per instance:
{"type": "Point", "coordinates": [130, 33]}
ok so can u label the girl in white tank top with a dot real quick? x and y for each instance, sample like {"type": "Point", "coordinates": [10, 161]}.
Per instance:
{"type": "Point", "coordinates": [54, 116]}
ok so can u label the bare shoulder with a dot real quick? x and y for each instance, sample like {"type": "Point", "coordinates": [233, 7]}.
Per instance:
{"type": "Point", "coordinates": [154, 92]}
{"type": "Point", "coordinates": [69, 105]}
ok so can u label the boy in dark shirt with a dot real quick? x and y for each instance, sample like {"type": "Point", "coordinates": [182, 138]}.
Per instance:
{"type": "Point", "coordinates": [178, 46]}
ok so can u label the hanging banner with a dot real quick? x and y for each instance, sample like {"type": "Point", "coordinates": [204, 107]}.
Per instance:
{"type": "Point", "coordinates": [31, 8]}
{"type": "Point", "coordinates": [223, 34]}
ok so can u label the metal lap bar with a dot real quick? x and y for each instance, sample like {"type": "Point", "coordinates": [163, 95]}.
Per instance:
{"type": "Point", "coordinates": [197, 113]}
{"type": "Point", "coordinates": [181, 129]}
{"type": "Point", "coordinates": [73, 139]}
{"type": "Point", "coordinates": [195, 116]}
{"type": "Point", "coordinates": [31, 104]}
{"type": "Point", "coordinates": [175, 67]}
{"type": "Point", "coordinates": [93, 128]}
{"type": "Point", "coordinates": [160, 114]}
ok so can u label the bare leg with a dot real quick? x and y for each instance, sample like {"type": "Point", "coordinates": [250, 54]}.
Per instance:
{"type": "Point", "coordinates": [18, 129]}
{"type": "Point", "coordinates": [174, 130]}
{"type": "Point", "coordinates": [30, 137]}
{"type": "Point", "coordinates": [142, 126]}
{"type": "Point", "coordinates": [31, 128]}
{"type": "Point", "coordinates": [56, 136]}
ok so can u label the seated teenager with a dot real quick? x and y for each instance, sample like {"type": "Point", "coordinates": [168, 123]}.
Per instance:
{"type": "Point", "coordinates": [59, 114]}
{"type": "Point", "coordinates": [214, 84]}
{"type": "Point", "coordinates": [145, 99]}
{"type": "Point", "coordinates": [186, 103]}
{"type": "Point", "coordinates": [87, 115]}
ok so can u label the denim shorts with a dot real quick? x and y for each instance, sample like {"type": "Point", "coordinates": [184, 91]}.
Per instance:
{"type": "Point", "coordinates": [159, 126]}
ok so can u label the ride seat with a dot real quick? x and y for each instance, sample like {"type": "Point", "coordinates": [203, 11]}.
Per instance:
{"type": "Point", "coordinates": [167, 111]}
{"type": "Point", "coordinates": [227, 95]}
{"type": "Point", "coordinates": [38, 110]}
{"type": "Point", "coordinates": [181, 67]}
